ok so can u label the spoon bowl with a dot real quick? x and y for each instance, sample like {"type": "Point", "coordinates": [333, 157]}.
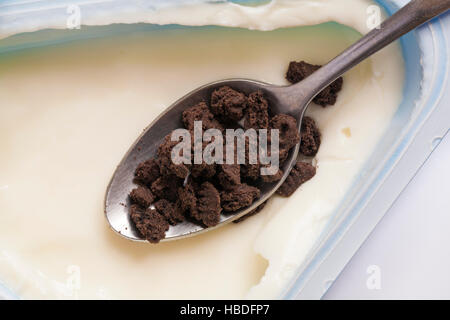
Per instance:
{"type": "Point", "coordinates": [145, 147]}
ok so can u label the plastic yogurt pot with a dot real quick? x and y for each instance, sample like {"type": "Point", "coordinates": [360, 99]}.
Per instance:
{"type": "Point", "coordinates": [412, 134]}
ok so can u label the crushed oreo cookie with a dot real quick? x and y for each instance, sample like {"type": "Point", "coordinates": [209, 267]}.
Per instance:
{"type": "Point", "coordinates": [151, 225]}
{"type": "Point", "coordinates": [310, 137]}
{"type": "Point", "coordinates": [166, 164]}
{"type": "Point", "coordinates": [288, 131]}
{"type": "Point", "coordinates": [147, 172]}
{"type": "Point", "coordinates": [257, 112]}
{"type": "Point", "coordinates": [228, 104]}
{"type": "Point", "coordinates": [200, 112]}
{"type": "Point", "coordinates": [169, 193]}
{"type": "Point", "coordinates": [297, 71]}
{"type": "Point", "coordinates": [142, 196]}
{"type": "Point", "coordinates": [302, 172]}
{"type": "Point", "coordinates": [230, 176]}
{"type": "Point", "coordinates": [208, 205]}
{"type": "Point", "coordinates": [238, 197]}
{"type": "Point", "coordinates": [165, 187]}
{"type": "Point", "coordinates": [171, 211]}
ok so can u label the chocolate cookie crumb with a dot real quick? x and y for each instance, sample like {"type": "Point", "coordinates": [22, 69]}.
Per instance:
{"type": "Point", "coordinates": [165, 159]}
{"type": "Point", "coordinates": [170, 211]}
{"type": "Point", "coordinates": [288, 131]}
{"type": "Point", "coordinates": [142, 196]}
{"type": "Point", "coordinates": [147, 172]}
{"type": "Point", "coordinates": [165, 187]}
{"type": "Point", "coordinates": [257, 112]}
{"type": "Point", "coordinates": [187, 197]}
{"type": "Point", "coordinates": [301, 173]}
{"type": "Point", "coordinates": [269, 178]}
{"type": "Point", "coordinates": [151, 225]}
{"type": "Point", "coordinates": [297, 71]}
{"type": "Point", "coordinates": [251, 213]}
{"type": "Point", "coordinates": [250, 171]}
{"type": "Point", "coordinates": [239, 197]}
{"type": "Point", "coordinates": [200, 112]}
{"type": "Point", "coordinates": [283, 155]}
{"type": "Point", "coordinates": [203, 170]}
{"type": "Point", "coordinates": [228, 104]}
{"type": "Point", "coordinates": [310, 137]}
{"type": "Point", "coordinates": [229, 175]}
{"type": "Point", "coordinates": [208, 205]}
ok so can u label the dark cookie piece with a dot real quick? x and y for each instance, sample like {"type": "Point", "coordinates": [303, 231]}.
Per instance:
{"type": "Point", "coordinates": [298, 71]}
{"type": "Point", "coordinates": [208, 205]}
{"type": "Point", "coordinates": [147, 172]}
{"type": "Point", "coordinates": [187, 197]}
{"type": "Point", "coordinates": [228, 104]}
{"type": "Point", "coordinates": [229, 175]}
{"type": "Point", "coordinates": [239, 197]}
{"type": "Point", "coordinates": [251, 213]}
{"type": "Point", "coordinates": [142, 196]}
{"type": "Point", "coordinates": [201, 170]}
{"type": "Point", "coordinates": [276, 175]}
{"type": "Point", "coordinates": [310, 141]}
{"type": "Point", "coordinates": [165, 159]}
{"type": "Point", "coordinates": [151, 225]}
{"type": "Point", "coordinates": [328, 96]}
{"type": "Point", "coordinates": [282, 155]}
{"type": "Point", "coordinates": [200, 112]}
{"type": "Point", "coordinates": [257, 112]}
{"type": "Point", "coordinates": [165, 187]}
{"type": "Point", "coordinates": [172, 212]}
{"type": "Point", "coordinates": [301, 173]}
{"type": "Point", "coordinates": [288, 131]}
{"type": "Point", "coordinates": [250, 170]}
{"type": "Point", "coordinates": [179, 212]}
{"type": "Point", "coordinates": [269, 178]}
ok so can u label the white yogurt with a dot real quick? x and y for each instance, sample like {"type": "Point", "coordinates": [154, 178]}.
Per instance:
{"type": "Point", "coordinates": [70, 112]}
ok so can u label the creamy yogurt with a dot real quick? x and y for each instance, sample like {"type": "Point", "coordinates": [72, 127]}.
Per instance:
{"type": "Point", "coordinates": [70, 112]}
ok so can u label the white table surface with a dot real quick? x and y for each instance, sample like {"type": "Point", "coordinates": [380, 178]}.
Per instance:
{"type": "Point", "coordinates": [407, 256]}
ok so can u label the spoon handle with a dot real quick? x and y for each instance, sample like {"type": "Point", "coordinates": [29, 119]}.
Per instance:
{"type": "Point", "coordinates": [404, 20]}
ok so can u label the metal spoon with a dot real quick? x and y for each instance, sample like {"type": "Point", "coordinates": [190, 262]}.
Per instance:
{"type": "Point", "coordinates": [291, 100]}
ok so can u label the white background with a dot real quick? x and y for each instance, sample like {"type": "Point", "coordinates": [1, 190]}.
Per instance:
{"type": "Point", "coordinates": [411, 245]}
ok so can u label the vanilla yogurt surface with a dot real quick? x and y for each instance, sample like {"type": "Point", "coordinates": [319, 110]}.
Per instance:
{"type": "Point", "coordinates": [69, 112]}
